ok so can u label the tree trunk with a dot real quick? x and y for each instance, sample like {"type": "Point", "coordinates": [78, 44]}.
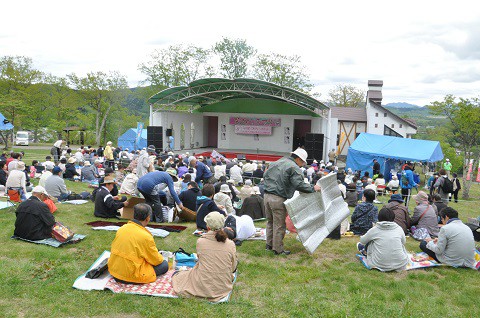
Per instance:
{"type": "Point", "coordinates": [466, 184]}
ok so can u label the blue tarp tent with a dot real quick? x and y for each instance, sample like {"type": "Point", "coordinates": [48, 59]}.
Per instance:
{"type": "Point", "coordinates": [127, 140]}
{"type": "Point", "coordinates": [4, 123]}
{"type": "Point", "coordinates": [390, 151]}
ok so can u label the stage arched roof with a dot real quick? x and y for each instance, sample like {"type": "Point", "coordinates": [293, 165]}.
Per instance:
{"type": "Point", "coordinates": [208, 91]}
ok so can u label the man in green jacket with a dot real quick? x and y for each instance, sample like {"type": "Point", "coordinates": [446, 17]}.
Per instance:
{"type": "Point", "coordinates": [281, 180]}
{"type": "Point", "coordinates": [447, 166]}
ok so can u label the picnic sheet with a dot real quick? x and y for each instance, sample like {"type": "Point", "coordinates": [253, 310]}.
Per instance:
{"type": "Point", "coordinates": [260, 234]}
{"type": "Point", "coordinates": [315, 215]}
{"type": "Point", "coordinates": [53, 242]}
{"type": "Point", "coordinates": [4, 205]}
{"type": "Point", "coordinates": [155, 232]}
{"type": "Point", "coordinates": [75, 202]}
{"type": "Point", "coordinates": [168, 228]}
{"type": "Point", "coordinates": [426, 261]}
{"type": "Point", "coordinates": [162, 287]}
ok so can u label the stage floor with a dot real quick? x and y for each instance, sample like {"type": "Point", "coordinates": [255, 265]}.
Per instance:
{"type": "Point", "coordinates": [237, 153]}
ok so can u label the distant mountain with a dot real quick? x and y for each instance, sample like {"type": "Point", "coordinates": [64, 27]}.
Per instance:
{"type": "Point", "coordinates": [401, 105]}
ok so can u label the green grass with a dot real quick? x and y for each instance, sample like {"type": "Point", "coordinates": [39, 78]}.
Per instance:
{"type": "Point", "coordinates": [36, 280]}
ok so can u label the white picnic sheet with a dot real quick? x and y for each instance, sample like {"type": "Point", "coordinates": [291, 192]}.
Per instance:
{"type": "Point", "coordinates": [155, 232]}
{"type": "Point", "coordinates": [75, 202]}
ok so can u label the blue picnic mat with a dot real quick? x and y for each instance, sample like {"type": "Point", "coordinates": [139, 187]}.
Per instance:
{"type": "Point", "coordinates": [51, 241]}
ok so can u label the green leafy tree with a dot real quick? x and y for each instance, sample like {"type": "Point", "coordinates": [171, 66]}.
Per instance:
{"type": "Point", "coordinates": [234, 56]}
{"type": "Point", "coordinates": [344, 95]}
{"type": "Point", "coordinates": [464, 133]}
{"type": "Point", "coordinates": [282, 70]}
{"type": "Point", "coordinates": [16, 75]}
{"type": "Point", "coordinates": [100, 92]}
{"type": "Point", "coordinates": [177, 65]}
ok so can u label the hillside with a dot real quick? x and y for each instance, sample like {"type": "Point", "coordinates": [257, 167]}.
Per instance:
{"type": "Point", "coordinates": [421, 115]}
{"type": "Point", "coordinates": [401, 105]}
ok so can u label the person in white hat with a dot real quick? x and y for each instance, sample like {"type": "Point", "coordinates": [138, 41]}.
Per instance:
{"type": "Point", "coordinates": [34, 219]}
{"type": "Point", "coordinates": [70, 171]}
{"type": "Point", "coordinates": [224, 199]}
{"type": "Point", "coordinates": [281, 181]}
{"type": "Point", "coordinates": [253, 205]}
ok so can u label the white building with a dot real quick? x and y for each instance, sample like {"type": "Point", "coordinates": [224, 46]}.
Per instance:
{"type": "Point", "coordinates": [374, 119]}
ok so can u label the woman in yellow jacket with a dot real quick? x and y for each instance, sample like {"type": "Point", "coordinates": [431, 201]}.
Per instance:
{"type": "Point", "coordinates": [134, 257]}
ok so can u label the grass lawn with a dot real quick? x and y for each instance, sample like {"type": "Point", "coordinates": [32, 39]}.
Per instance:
{"type": "Point", "coordinates": [36, 280]}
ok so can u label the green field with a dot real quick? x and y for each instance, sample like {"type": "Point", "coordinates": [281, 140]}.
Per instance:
{"type": "Point", "coordinates": [36, 280]}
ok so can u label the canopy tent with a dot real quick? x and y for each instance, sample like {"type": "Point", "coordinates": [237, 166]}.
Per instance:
{"type": "Point", "coordinates": [4, 123]}
{"type": "Point", "coordinates": [127, 140]}
{"type": "Point", "coordinates": [390, 152]}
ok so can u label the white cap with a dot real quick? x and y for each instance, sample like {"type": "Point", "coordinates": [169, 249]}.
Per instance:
{"type": "Point", "coordinates": [49, 166]}
{"type": "Point", "coordinates": [225, 188]}
{"type": "Point", "coordinates": [39, 189]}
{"type": "Point", "coordinates": [447, 159]}
{"type": "Point", "coordinates": [256, 190]}
{"type": "Point", "coordinates": [191, 158]}
{"type": "Point", "coordinates": [301, 153]}
{"type": "Point", "coordinates": [248, 182]}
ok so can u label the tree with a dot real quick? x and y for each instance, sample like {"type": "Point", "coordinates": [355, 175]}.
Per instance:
{"type": "Point", "coordinates": [101, 92]}
{"type": "Point", "coordinates": [282, 70]}
{"type": "Point", "coordinates": [234, 55]}
{"type": "Point", "coordinates": [16, 75]}
{"type": "Point", "coordinates": [344, 95]}
{"type": "Point", "coordinates": [464, 122]}
{"type": "Point", "coordinates": [176, 66]}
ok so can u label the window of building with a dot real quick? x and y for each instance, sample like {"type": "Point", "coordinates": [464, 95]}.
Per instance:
{"type": "Point", "coordinates": [384, 114]}
{"type": "Point", "coordinates": [393, 125]}
{"type": "Point", "coordinates": [387, 131]}
{"type": "Point", "coordinates": [338, 140]}
{"type": "Point", "coordinates": [376, 125]}
{"type": "Point", "coordinates": [401, 125]}
{"type": "Point", "coordinates": [376, 114]}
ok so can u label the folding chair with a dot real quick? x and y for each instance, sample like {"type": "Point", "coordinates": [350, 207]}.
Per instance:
{"type": "Point", "coordinates": [381, 189]}
{"type": "Point", "coordinates": [13, 196]}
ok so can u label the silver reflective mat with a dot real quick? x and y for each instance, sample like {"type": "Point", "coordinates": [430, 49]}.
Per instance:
{"type": "Point", "coordinates": [317, 214]}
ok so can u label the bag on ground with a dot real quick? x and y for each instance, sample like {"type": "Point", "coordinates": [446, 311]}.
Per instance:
{"type": "Point", "coordinates": [61, 233]}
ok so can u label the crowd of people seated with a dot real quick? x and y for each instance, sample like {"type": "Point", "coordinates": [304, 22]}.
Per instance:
{"type": "Point", "coordinates": [226, 197]}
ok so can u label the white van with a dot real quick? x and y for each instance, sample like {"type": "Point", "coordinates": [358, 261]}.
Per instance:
{"type": "Point", "coordinates": [21, 138]}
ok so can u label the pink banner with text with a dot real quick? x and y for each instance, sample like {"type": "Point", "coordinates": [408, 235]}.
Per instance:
{"type": "Point", "coordinates": [249, 121]}
{"type": "Point", "coordinates": [253, 130]}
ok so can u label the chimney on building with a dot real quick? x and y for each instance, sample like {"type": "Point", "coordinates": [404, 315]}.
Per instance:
{"type": "Point", "coordinates": [374, 92]}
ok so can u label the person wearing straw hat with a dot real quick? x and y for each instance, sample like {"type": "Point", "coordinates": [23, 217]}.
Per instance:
{"type": "Point", "coordinates": [70, 171]}
{"type": "Point", "coordinates": [17, 180]}
{"type": "Point", "coordinates": [224, 199]}
{"type": "Point", "coordinates": [152, 186]}
{"type": "Point", "coordinates": [212, 278]}
{"type": "Point", "coordinates": [34, 221]}
{"type": "Point", "coordinates": [253, 205]}
{"type": "Point", "coordinates": [282, 179]}
{"type": "Point", "coordinates": [105, 204]}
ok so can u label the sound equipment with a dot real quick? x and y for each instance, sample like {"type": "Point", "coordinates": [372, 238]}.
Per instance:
{"type": "Point", "coordinates": [155, 137]}
{"type": "Point", "coordinates": [169, 132]}
{"type": "Point", "coordinates": [314, 146]}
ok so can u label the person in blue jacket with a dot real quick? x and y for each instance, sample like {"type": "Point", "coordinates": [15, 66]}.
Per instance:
{"type": "Point", "coordinates": [151, 186]}
{"type": "Point", "coordinates": [203, 172]}
{"type": "Point", "coordinates": [407, 183]}
{"type": "Point", "coordinates": [205, 205]}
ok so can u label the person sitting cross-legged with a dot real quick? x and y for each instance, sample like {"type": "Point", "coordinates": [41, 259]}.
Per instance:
{"type": "Point", "coordinates": [213, 275]}
{"type": "Point", "coordinates": [106, 205]}
{"type": "Point", "coordinates": [365, 214]}
{"type": "Point", "coordinates": [34, 219]}
{"type": "Point", "coordinates": [384, 243]}
{"type": "Point", "coordinates": [134, 256]}
{"type": "Point", "coordinates": [206, 205]}
{"type": "Point", "coordinates": [55, 185]}
{"type": "Point", "coordinates": [455, 245]}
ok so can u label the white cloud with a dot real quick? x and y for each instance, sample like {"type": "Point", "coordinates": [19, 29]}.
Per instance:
{"type": "Point", "coordinates": [422, 50]}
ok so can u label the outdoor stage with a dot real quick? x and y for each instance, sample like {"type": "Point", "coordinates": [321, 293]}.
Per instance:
{"type": "Point", "coordinates": [238, 153]}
